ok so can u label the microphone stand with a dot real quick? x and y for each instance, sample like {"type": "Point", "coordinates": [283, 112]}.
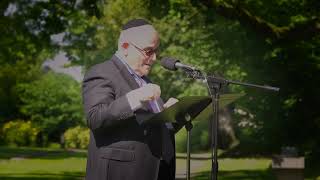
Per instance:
{"type": "Point", "coordinates": [215, 84]}
{"type": "Point", "coordinates": [188, 126]}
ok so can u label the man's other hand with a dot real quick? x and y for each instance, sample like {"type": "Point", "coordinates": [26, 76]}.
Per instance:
{"type": "Point", "coordinates": [147, 92]}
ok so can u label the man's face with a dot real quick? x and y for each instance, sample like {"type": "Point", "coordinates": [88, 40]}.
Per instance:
{"type": "Point", "coordinates": [141, 51]}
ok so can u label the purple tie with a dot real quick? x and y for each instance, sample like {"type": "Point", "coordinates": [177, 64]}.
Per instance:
{"type": "Point", "coordinates": [166, 141]}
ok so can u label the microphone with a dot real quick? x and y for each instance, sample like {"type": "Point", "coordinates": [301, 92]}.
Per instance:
{"type": "Point", "coordinates": [174, 64]}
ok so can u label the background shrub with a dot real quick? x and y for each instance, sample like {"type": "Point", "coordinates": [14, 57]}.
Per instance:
{"type": "Point", "coordinates": [19, 133]}
{"type": "Point", "coordinates": [77, 137]}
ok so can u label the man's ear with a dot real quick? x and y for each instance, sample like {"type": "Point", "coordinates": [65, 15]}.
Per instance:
{"type": "Point", "coordinates": [125, 45]}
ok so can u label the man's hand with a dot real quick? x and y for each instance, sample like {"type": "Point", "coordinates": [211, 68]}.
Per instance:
{"type": "Point", "coordinates": [170, 102]}
{"type": "Point", "coordinates": [147, 92]}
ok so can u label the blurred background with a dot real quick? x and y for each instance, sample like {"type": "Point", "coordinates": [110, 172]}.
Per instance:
{"type": "Point", "coordinates": [47, 46]}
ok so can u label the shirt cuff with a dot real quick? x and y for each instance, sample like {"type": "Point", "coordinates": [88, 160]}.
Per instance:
{"type": "Point", "coordinates": [134, 102]}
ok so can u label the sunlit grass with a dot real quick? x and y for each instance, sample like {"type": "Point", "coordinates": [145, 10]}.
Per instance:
{"type": "Point", "coordinates": [48, 163]}
{"type": "Point", "coordinates": [37, 163]}
{"type": "Point", "coordinates": [228, 164]}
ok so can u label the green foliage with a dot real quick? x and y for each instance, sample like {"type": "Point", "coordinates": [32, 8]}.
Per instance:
{"type": "Point", "coordinates": [27, 26]}
{"type": "Point", "coordinates": [270, 43]}
{"type": "Point", "coordinates": [181, 139]}
{"type": "Point", "coordinates": [25, 41]}
{"type": "Point", "coordinates": [76, 137]}
{"type": "Point", "coordinates": [103, 39]}
{"type": "Point", "coordinates": [19, 133]}
{"type": "Point", "coordinates": [10, 77]}
{"type": "Point", "coordinates": [199, 138]}
{"type": "Point", "coordinates": [291, 64]}
{"type": "Point", "coordinates": [53, 103]}
{"type": "Point", "coordinates": [185, 36]}
{"type": "Point", "coordinates": [194, 33]}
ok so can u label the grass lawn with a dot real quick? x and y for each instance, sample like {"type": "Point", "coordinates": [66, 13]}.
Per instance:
{"type": "Point", "coordinates": [243, 168]}
{"type": "Point", "coordinates": [248, 169]}
{"type": "Point", "coordinates": [36, 163]}
{"type": "Point", "coordinates": [41, 163]}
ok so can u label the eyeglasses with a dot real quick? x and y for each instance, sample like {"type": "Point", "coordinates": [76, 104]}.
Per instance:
{"type": "Point", "coordinates": [147, 52]}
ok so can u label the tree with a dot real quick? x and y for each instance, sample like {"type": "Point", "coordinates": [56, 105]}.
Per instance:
{"type": "Point", "coordinates": [53, 103]}
{"type": "Point", "coordinates": [283, 37]}
{"type": "Point", "coordinates": [271, 42]}
{"type": "Point", "coordinates": [27, 39]}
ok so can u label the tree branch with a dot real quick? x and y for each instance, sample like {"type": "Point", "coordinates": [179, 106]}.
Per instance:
{"type": "Point", "coordinates": [295, 32]}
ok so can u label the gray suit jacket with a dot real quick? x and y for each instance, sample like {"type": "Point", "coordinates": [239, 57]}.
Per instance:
{"type": "Point", "coordinates": [122, 145]}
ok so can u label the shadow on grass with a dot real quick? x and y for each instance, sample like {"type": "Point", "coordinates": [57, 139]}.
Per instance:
{"type": "Point", "coordinates": [312, 170]}
{"type": "Point", "coordinates": [240, 174]}
{"type": "Point", "coordinates": [50, 176]}
{"type": "Point", "coordinates": [43, 153]}
{"type": "Point", "coordinates": [249, 175]}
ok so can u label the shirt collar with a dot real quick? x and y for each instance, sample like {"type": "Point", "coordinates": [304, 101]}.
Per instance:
{"type": "Point", "coordinates": [131, 71]}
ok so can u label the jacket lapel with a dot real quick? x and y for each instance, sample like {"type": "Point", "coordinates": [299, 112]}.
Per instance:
{"type": "Point", "coordinates": [124, 72]}
{"type": "Point", "coordinates": [127, 77]}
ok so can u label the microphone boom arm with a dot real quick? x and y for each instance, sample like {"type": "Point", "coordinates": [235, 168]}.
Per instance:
{"type": "Point", "coordinates": [197, 74]}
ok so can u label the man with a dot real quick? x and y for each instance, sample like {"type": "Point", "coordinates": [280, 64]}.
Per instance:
{"type": "Point", "coordinates": [118, 100]}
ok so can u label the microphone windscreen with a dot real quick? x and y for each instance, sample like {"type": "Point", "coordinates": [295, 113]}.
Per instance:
{"type": "Point", "coordinates": [169, 63]}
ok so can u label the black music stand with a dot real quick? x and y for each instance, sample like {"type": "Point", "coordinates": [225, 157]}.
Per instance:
{"type": "Point", "coordinates": [187, 110]}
